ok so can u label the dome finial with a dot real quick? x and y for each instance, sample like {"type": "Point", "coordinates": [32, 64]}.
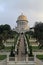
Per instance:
{"type": "Point", "coordinates": [22, 13]}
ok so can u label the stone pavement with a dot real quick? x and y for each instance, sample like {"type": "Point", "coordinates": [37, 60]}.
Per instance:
{"type": "Point", "coordinates": [21, 54]}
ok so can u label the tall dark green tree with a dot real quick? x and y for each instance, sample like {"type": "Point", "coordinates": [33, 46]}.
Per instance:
{"type": "Point", "coordinates": [38, 30]}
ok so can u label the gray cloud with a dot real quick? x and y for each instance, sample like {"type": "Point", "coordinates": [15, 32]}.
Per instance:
{"type": "Point", "coordinates": [11, 9]}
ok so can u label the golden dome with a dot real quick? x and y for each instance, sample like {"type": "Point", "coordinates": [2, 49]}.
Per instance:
{"type": "Point", "coordinates": [22, 17]}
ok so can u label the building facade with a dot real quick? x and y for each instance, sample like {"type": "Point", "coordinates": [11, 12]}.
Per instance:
{"type": "Point", "coordinates": [22, 24]}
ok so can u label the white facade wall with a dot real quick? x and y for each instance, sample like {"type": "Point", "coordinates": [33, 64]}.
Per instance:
{"type": "Point", "coordinates": [22, 26]}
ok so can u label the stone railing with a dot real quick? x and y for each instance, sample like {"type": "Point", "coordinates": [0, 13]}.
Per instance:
{"type": "Point", "coordinates": [11, 58]}
{"type": "Point", "coordinates": [3, 62]}
{"type": "Point", "coordinates": [17, 43]}
{"type": "Point", "coordinates": [39, 62]}
{"type": "Point", "coordinates": [26, 43]}
{"type": "Point", "coordinates": [21, 63]}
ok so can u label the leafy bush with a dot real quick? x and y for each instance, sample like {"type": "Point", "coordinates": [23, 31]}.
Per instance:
{"type": "Point", "coordinates": [12, 54]}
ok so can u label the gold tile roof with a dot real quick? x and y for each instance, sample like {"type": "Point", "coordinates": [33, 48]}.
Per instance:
{"type": "Point", "coordinates": [22, 17]}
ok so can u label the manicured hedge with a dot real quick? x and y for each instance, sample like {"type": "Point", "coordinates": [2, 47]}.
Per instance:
{"type": "Point", "coordinates": [39, 57]}
{"type": "Point", "coordinates": [2, 57]}
{"type": "Point", "coordinates": [29, 46]}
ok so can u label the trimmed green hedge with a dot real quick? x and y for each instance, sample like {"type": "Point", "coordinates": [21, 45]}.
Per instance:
{"type": "Point", "coordinates": [29, 46]}
{"type": "Point", "coordinates": [35, 48]}
{"type": "Point", "coordinates": [15, 41]}
{"type": "Point", "coordinates": [8, 48]}
{"type": "Point", "coordinates": [2, 57]}
{"type": "Point", "coordinates": [39, 57]}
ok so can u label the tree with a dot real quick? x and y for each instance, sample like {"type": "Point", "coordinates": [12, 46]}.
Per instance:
{"type": "Point", "coordinates": [11, 53]}
{"type": "Point", "coordinates": [1, 29]}
{"type": "Point", "coordinates": [4, 33]}
{"type": "Point", "coordinates": [30, 48]}
{"type": "Point", "coordinates": [6, 27]}
{"type": "Point", "coordinates": [1, 43]}
{"type": "Point", "coordinates": [38, 30]}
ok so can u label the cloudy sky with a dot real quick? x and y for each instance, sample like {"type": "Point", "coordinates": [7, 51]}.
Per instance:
{"type": "Point", "coordinates": [11, 9]}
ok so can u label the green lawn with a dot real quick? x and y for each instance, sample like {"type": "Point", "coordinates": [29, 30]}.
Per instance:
{"type": "Point", "coordinates": [35, 47]}
{"type": "Point", "coordinates": [7, 48]}
{"type": "Point", "coordinates": [2, 57]}
{"type": "Point", "coordinates": [39, 57]}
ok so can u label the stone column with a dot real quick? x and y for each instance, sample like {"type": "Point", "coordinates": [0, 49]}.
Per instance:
{"type": "Point", "coordinates": [7, 57]}
{"type": "Point", "coordinates": [35, 57]}
{"type": "Point", "coordinates": [27, 58]}
{"type": "Point", "coordinates": [15, 58]}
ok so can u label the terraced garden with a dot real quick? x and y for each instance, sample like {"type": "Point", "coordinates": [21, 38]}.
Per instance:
{"type": "Point", "coordinates": [2, 57]}
{"type": "Point", "coordinates": [39, 57]}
